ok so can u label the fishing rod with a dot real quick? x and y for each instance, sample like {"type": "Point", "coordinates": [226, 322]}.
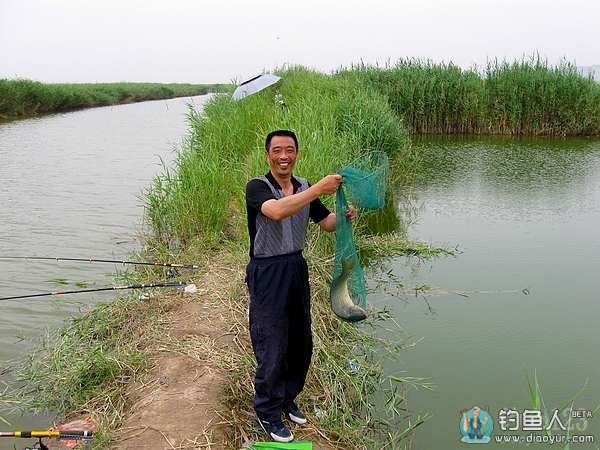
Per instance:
{"type": "Point", "coordinates": [76, 435]}
{"type": "Point", "coordinates": [72, 434]}
{"type": "Point", "coordinates": [91, 260]}
{"type": "Point", "coordinates": [188, 288]}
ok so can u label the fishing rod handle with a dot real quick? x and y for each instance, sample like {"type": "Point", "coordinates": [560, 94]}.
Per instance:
{"type": "Point", "coordinates": [75, 434]}
{"type": "Point", "coordinates": [30, 434]}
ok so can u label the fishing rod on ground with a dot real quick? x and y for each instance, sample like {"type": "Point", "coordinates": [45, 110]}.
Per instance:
{"type": "Point", "coordinates": [73, 435]}
{"type": "Point", "coordinates": [188, 288]}
{"type": "Point", "coordinates": [96, 260]}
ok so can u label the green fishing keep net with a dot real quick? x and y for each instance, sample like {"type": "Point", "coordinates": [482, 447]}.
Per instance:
{"type": "Point", "coordinates": [364, 186]}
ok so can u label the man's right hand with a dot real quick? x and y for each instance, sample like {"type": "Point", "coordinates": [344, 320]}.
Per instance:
{"type": "Point", "coordinates": [329, 184]}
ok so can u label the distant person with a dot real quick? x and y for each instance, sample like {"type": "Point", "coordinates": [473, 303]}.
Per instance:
{"type": "Point", "coordinates": [279, 206]}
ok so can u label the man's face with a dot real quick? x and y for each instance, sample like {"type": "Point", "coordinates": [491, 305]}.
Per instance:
{"type": "Point", "coordinates": [282, 155]}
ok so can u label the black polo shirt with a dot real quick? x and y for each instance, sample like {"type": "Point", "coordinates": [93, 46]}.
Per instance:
{"type": "Point", "coordinates": [258, 192]}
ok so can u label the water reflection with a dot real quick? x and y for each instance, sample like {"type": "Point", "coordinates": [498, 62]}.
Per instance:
{"type": "Point", "coordinates": [525, 214]}
{"type": "Point", "coordinates": [70, 188]}
{"type": "Point", "coordinates": [532, 175]}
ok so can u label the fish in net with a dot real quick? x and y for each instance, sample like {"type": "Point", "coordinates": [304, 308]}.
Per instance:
{"type": "Point", "coordinates": [364, 184]}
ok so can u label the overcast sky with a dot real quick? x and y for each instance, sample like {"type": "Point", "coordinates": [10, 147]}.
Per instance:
{"type": "Point", "coordinates": [219, 41]}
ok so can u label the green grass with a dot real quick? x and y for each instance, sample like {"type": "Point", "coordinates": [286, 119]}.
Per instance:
{"type": "Point", "coordinates": [527, 97]}
{"type": "Point", "coordinates": [335, 119]}
{"type": "Point", "coordinates": [199, 205]}
{"type": "Point", "coordinates": [196, 211]}
{"type": "Point", "coordinates": [537, 402]}
{"type": "Point", "coordinates": [85, 367]}
{"type": "Point", "coordinates": [26, 97]}
{"type": "Point", "coordinates": [61, 281]}
{"type": "Point", "coordinates": [360, 407]}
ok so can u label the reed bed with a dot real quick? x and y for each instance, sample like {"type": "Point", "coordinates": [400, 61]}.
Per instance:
{"type": "Point", "coordinates": [91, 364]}
{"type": "Point", "coordinates": [195, 211]}
{"type": "Point", "coordinates": [85, 367]}
{"type": "Point", "coordinates": [527, 97]}
{"type": "Point", "coordinates": [26, 98]}
{"type": "Point", "coordinates": [202, 196]}
{"type": "Point", "coordinates": [199, 206]}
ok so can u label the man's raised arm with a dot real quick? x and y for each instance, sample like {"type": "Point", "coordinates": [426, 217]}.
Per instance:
{"type": "Point", "coordinates": [278, 209]}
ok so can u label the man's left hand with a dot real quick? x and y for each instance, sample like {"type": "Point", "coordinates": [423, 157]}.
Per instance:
{"type": "Point", "coordinates": [351, 213]}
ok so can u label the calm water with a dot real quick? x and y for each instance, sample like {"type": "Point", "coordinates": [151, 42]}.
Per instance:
{"type": "Point", "coordinates": [526, 215]}
{"type": "Point", "coordinates": [71, 186]}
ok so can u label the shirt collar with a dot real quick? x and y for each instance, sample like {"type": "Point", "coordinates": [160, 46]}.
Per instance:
{"type": "Point", "coordinates": [276, 185]}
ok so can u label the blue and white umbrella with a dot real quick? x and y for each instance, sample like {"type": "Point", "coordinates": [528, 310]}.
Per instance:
{"type": "Point", "coordinates": [254, 85]}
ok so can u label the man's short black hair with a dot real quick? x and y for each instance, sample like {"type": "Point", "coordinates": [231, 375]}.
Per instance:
{"type": "Point", "coordinates": [287, 133]}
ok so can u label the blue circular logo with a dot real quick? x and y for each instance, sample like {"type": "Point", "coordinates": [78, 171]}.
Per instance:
{"type": "Point", "coordinates": [475, 425]}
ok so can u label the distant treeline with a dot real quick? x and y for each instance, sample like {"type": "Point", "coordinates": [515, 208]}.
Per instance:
{"type": "Point", "coordinates": [26, 97]}
{"type": "Point", "coordinates": [526, 97]}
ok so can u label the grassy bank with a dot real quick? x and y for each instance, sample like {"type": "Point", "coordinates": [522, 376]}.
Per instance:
{"type": "Point", "coordinates": [527, 97]}
{"type": "Point", "coordinates": [335, 117]}
{"type": "Point", "coordinates": [92, 364]}
{"type": "Point", "coordinates": [197, 212]}
{"type": "Point", "coordinates": [25, 97]}
{"type": "Point", "coordinates": [200, 206]}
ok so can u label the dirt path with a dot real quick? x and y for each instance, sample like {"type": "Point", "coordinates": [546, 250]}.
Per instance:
{"type": "Point", "coordinates": [200, 363]}
{"type": "Point", "coordinates": [177, 404]}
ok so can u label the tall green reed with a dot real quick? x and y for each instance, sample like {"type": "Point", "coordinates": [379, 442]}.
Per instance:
{"type": "Point", "coordinates": [335, 119]}
{"type": "Point", "coordinates": [527, 97]}
{"type": "Point", "coordinates": [203, 199]}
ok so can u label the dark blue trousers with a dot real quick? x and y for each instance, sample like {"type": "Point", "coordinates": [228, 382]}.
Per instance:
{"type": "Point", "coordinates": [279, 329]}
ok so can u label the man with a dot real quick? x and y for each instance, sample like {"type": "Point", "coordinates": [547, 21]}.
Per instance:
{"type": "Point", "coordinates": [279, 206]}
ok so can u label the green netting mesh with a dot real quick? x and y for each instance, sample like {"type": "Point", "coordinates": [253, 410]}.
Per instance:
{"type": "Point", "coordinates": [364, 182]}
